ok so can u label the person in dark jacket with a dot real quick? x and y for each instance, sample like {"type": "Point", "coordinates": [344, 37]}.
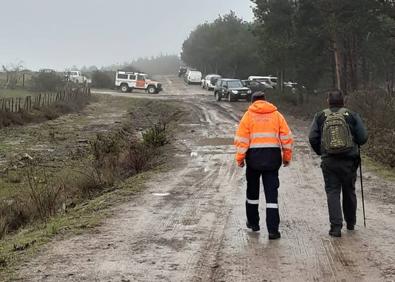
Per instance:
{"type": "Point", "coordinates": [339, 170]}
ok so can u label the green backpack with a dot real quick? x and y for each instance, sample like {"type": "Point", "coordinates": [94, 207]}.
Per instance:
{"type": "Point", "coordinates": [336, 133]}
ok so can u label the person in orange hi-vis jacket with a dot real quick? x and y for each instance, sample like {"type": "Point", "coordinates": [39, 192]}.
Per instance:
{"type": "Point", "coordinates": [263, 141]}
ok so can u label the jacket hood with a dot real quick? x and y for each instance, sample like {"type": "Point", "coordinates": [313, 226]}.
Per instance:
{"type": "Point", "coordinates": [262, 107]}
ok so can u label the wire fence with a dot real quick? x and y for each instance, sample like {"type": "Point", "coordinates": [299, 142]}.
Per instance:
{"type": "Point", "coordinates": [42, 100]}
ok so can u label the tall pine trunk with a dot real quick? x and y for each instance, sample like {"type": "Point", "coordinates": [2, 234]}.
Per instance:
{"type": "Point", "coordinates": [338, 63]}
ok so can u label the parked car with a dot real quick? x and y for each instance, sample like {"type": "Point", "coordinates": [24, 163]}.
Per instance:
{"type": "Point", "coordinates": [182, 71]}
{"type": "Point", "coordinates": [127, 81]}
{"type": "Point", "coordinates": [267, 81]}
{"type": "Point", "coordinates": [231, 90]}
{"type": "Point", "coordinates": [193, 77]}
{"type": "Point", "coordinates": [290, 84]}
{"type": "Point", "coordinates": [254, 85]}
{"type": "Point", "coordinates": [76, 77]}
{"type": "Point", "coordinates": [209, 81]}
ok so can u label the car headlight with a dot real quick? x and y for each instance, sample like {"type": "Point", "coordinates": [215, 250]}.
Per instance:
{"type": "Point", "coordinates": [249, 91]}
{"type": "Point", "coordinates": [235, 92]}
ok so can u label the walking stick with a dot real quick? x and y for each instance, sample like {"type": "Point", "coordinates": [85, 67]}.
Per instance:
{"type": "Point", "coordinates": [363, 199]}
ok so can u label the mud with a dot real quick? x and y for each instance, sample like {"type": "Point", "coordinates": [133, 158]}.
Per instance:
{"type": "Point", "coordinates": [189, 224]}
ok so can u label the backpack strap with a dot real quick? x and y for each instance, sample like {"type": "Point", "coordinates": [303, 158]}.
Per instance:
{"type": "Point", "coordinates": [327, 112]}
{"type": "Point", "coordinates": [344, 111]}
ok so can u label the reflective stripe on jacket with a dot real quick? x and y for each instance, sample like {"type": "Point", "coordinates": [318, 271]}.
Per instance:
{"type": "Point", "coordinates": [262, 135]}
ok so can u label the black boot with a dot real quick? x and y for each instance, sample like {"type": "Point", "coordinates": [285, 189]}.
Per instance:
{"type": "Point", "coordinates": [335, 231]}
{"type": "Point", "coordinates": [350, 226]}
{"type": "Point", "coordinates": [254, 228]}
{"type": "Point", "coordinates": [274, 235]}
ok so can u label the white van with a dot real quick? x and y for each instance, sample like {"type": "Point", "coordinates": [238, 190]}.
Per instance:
{"type": "Point", "coordinates": [193, 77]}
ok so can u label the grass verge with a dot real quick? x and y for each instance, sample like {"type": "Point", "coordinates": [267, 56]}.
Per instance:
{"type": "Point", "coordinates": [85, 216]}
{"type": "Point", "coordinates": [108, 170]}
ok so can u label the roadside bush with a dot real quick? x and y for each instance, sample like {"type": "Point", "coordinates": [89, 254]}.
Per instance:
{"type": "Point", "coordinates": [156, 135]}
{"type": "Point", "coordinates": [138, 158]}
{"type": "Point", "coordinates": [47, 82]}
{"type": "Point", "coordinates": [45, 193]}
{"type": "Point", "coordinates": [14, 213]}
{"type": "Point", "coordinates": [378, 111]}
{"type": "Point", "coordinates": [300, 103]}
{"type": "Point", "coordinates": [41, 114]}
{"type": "Point", "coordinates": [84, 184]}
{"type": "Point", "coordinates": [101, 79]}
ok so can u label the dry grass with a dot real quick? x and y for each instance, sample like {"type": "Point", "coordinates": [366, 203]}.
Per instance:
{"type": "Point", "coordinates": [45, 113]}
{"type": "Point", "coordinates": [112, 157]}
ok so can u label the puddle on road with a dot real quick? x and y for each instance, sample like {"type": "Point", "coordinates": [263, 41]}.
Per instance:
{"type": "Point", "coordinates": [161, 194]}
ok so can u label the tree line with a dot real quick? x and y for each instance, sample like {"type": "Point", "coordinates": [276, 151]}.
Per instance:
{"type": "Point", "coordinates": [226, 46]}
{"type": "Point", "coordinates": [344, 44]}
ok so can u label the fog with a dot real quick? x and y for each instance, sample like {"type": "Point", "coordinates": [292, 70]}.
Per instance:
{"type": "Point", "coordinates": [60, 34]}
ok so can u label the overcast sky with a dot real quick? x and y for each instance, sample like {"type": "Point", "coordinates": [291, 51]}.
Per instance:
{"type": "Point", "coordinates": [62, 33]}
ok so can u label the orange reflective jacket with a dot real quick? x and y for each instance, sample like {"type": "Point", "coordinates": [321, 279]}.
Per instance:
{"type": "Point", "coordinates": [263, 129]}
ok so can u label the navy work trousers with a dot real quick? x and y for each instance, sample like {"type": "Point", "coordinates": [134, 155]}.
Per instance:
{"type": "Point", "coordinates": [271, 184]}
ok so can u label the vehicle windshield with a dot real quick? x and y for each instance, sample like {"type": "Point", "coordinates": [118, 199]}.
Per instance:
{"type": "Point", "coordinates": [235, 84]}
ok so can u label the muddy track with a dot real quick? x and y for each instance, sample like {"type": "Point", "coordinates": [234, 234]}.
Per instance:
{"type": "Point", "coordinates": [189, 224]}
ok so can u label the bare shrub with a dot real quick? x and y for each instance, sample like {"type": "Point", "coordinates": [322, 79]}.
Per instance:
{"type": "Point", "coordinates": [45, 193]}
{"type": "Point", "coordinates": [47, 81]}
{"type": "Point", "coordinates": [103, 79]}
{"type": "Point", "coordinates": [84, 184]}
{"type": "Point", "coordinates": [105, 151]}
{"type": "Point", "coordinates": [14, 213]}
{"type": "Point", "coordinates": [136, 159]}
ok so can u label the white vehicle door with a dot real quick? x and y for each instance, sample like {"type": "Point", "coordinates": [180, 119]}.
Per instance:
{"type": "Point", "coordinates": [132, 80]}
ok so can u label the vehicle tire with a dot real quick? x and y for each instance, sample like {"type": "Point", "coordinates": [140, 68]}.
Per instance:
{"type": "Point", "coordinates": [151, 89]}
{"type": "Point", "coordinates": [230, 97]}
{"type": "Point", "coordinates": [248, 99]}
{"type": "Point", "coordinates": [124, 88]}
{"type": "Point", "coordinates": [217, 97]}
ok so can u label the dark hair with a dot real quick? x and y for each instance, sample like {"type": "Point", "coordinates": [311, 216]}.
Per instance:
{"type": "Point", "coordinates": [335, 98]}
{"type": "Point", "coordinates": [260, 95]}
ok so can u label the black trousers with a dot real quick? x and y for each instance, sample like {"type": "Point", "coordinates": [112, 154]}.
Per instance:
{"type": "Point", "coordinates": [271, 184]}
{"type": "Point", "coordinates": [340, 176]}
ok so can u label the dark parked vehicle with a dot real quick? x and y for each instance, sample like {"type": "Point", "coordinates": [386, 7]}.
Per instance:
{"type": "Point", "coordinates": [231, 90]}
{"type": "Point", "coordinates": [255, 86]}
{"type": "Point", "coordinates": [182, 71]}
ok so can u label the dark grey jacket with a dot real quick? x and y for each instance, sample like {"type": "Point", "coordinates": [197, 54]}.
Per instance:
{"type": "Point", "coordinates": [357, 128]}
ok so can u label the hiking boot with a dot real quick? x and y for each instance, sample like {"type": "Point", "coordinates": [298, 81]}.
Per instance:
{"type": "Point", "coordinates": [254, 228]}
{"type": "Point", "coordinates": [335, 231]}
{"type": "Point", "coordinates": [350, 227]}
{"type": "Point", "coordinates": [274, 235]}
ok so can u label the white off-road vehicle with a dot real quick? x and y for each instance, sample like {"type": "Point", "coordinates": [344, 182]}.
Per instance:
{"type": "Point", "coordinates": [267, 81]}
{"type": "Point", "coordinates": [76, 77]}
{"type": "Point", "coordinates": [127, 81]}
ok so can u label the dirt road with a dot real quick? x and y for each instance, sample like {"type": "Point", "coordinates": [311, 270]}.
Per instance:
{"type": "Point", "coordinates": [189, 224]}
